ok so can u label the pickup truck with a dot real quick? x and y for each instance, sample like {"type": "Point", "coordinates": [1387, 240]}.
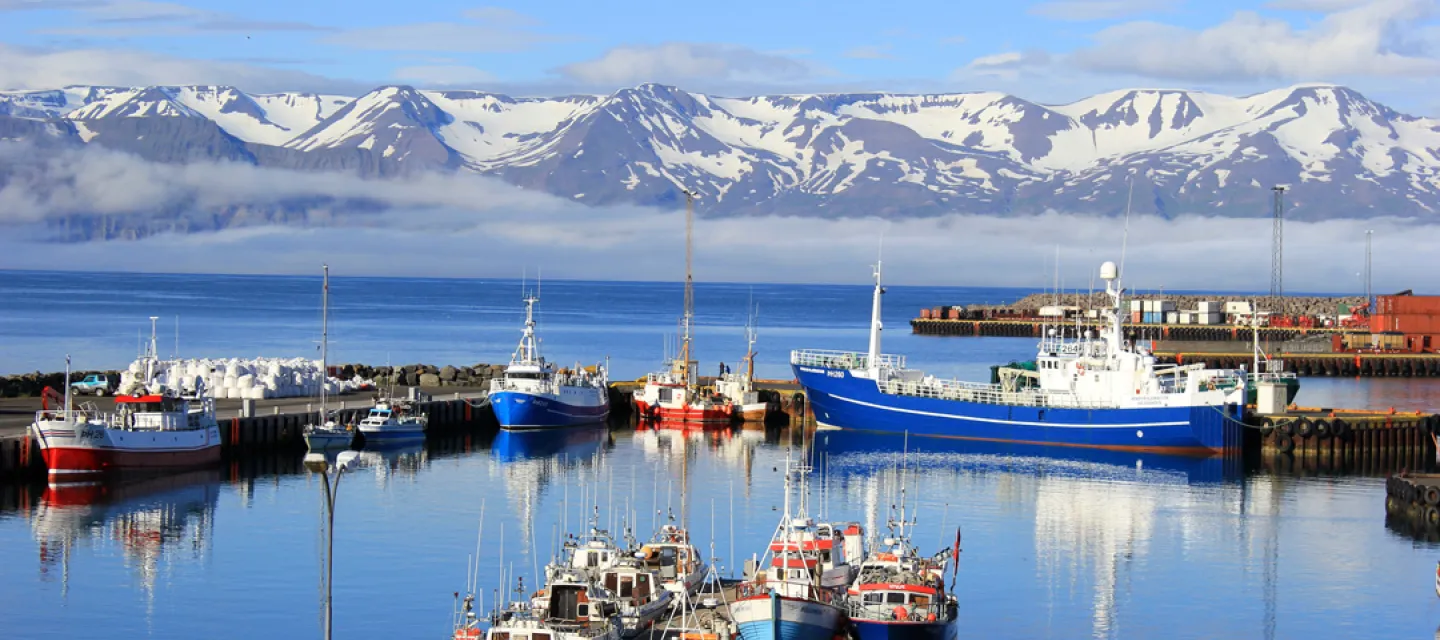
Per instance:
{"type": "Point", "coordinates": [95, 383]}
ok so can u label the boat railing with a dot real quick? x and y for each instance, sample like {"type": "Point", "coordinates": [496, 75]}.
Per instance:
{"type": "Point", "coordinates": [843, 359]}
{"type": "Point", "coordinates": [986, 394]}
{"type": "Point", "coordinates": [84, 414]}
{"type": "Point", "coordinates": [860, 610]}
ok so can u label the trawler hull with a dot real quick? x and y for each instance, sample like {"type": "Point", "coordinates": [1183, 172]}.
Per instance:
{"type": "Point", "coordinates": [519, 410]}
{"type": "Point", "coordinates": [840, 400]}
{"type": "Point", "coordinates": [771, 617]}
{"type": "Point", "coordinates": [902, 630]}
{"type": "Point", "coordinates": [71, 450]}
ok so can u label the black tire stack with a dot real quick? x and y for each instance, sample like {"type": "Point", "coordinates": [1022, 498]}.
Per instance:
{"type": "Point", "coordinates": [1414, 500]}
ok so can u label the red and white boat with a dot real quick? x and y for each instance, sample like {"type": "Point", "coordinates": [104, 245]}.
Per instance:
{"type": "Point", "coordinates": [675, 395]}
{"type": "Point", "coordinates": [671, 396]}
{"type": "Point", "coordinates": [152, 427]}
{"type": "Point", "coordinates": [738, 389]}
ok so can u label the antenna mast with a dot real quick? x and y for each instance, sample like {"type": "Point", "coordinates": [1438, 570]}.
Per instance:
{"type": "Point", "coordinates": [324, 343]}
{"type": "Point", "coordinates": [1277, 253]}
{"type": "Point", "coordinates": [689, 284]}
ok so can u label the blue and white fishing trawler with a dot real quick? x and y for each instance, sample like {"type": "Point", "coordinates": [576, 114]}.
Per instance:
{"type": "Point", "coordinates": [534, 394]}
{"type": "Point", "coordinates": [1090, 391]}
{"type": "Point", "coordinates": [796, 590]}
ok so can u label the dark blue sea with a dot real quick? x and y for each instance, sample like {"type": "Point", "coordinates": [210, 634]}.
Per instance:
{"type": "Point", "coordinates": [1057, 544]}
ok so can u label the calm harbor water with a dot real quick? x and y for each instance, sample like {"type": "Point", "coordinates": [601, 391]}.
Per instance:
{"type": "Point", "coordinates": [1062, 544]}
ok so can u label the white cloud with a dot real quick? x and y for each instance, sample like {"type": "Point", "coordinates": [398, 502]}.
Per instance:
{"type": "Point", "coordinates": [442, 224]}
{"type": "Point", "coordinates": [25, 68]}
{"type": "Point", "coordinates": [499, 15]}
{"type": "Point", "coordinates": [675, 62]}
{"type": "Point", "coordinates": [1007, 65]}
{"type": "Point", "coordinates": [1374, 39]}
{"type": "Point", "coordinates": [1317, 6]}
{"type": "Point", "coordinates": [442, 74]}
{"type": "Point", "coordinates": [1080, 10]}
{"type": "Point", "coordinates": [870, 52]}
{"type": "Point", "coordinates": [142, 18]}
{"type": "Point", "coordinates": [487, 30]}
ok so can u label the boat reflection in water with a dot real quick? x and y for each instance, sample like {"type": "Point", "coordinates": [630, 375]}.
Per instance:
{"type": "Point", "coordinates": [1095, 512]}
{"type": "Point", "coordinates": [391, 462]}
{"type": "Point", "coordinates": [153, 520]}
{"type": "Point", "coordinates": [573, 443]}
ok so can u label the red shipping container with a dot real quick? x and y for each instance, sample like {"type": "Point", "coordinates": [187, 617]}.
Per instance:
{"type": "Point", "coordinates": [1408, 323]}
{"type": "Point", "coordinates": [1408, 305]}
{"type": "Point", "coordinates": [952, 314]}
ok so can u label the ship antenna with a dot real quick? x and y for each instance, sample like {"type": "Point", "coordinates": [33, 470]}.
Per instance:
{"type": "Point", "coordinates": [324, 343]}
{"type": "Point", "coordinates": [875, 324]}
{"type": "Point", "coordinates": [1125, 237]}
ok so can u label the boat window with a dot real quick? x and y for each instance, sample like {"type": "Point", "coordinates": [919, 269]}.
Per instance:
{"type": "Point", "coordinates": [500, 635]}
{"type": "Point", "coordinates": [627, 588]}
{"type": "Point", "coordinates": [582, 611]}
{"type": "Point", "coordinates": [610, 581]}
{"type": "Point", "coordinates": [539, 636]}
{"type": "Point", "coordinates": [894, 598]}
{"type": "Point", "coordinates": [874, 598]}
{"type": "Point", "coordinates": [916, 598]}
{"type": "Point", "coordinates": [592, 559]}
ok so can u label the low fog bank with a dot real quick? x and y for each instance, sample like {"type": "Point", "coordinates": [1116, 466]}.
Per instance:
{"type": "Point", "coordinates": [636, 244]}
{"type": "Point", "coordinates": [465, 225]}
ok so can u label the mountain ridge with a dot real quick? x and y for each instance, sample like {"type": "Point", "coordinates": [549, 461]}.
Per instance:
{"type": "Point", "coordinates": [827, 155]}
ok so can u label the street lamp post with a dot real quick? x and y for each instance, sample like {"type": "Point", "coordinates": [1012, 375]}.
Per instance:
{"type": "Point", "coordinates": [319, 463]}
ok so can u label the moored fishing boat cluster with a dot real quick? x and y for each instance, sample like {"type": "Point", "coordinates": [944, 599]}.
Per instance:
{"type": "Point", "coordinates": [815, 580]}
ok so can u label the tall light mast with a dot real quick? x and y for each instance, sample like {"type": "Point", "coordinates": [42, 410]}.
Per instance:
{"type": "Point", "coordinates": [688, 318]}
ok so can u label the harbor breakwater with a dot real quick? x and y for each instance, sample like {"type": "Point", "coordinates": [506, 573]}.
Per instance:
{"type": "Point", "coordinates": [30, 385]}
{"type": "Point", "coordinates": [273, 431]}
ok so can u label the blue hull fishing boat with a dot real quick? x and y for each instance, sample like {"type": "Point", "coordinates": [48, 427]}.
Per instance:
{"type": "Point", "coordinates": [1088, 391]}
{"type": "Point", "coordinates": [393, 423]}
{"type": "Point", "coordinates": [791, 593]}
{"type": "Point", "coordinates": [534, 394]}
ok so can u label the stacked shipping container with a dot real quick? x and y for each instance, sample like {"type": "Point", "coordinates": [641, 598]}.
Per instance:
{"type": "Point", "coordinates": [1416, 318]}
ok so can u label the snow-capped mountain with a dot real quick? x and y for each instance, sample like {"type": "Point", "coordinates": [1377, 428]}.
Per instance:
{"type": "Point", "coordinates": [822, 155]}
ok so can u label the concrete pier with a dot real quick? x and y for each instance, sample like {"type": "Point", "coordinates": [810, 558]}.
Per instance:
{"type": "Point", "coordinates": [276, 425]}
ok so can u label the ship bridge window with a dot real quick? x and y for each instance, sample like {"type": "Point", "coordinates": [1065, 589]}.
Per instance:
{"type": "Point", "coordinates": [539, 636]}
{"type": "Point", "coordinates": [527, 375]}
{"type": "Point", "coordinates": [874, 598]}
{"type": "Point", "coordinates": [922, 600]}
{"type": "Point", "coordinates": [501, 635]}
{"type": "Point", "coordinates": [894, 598]}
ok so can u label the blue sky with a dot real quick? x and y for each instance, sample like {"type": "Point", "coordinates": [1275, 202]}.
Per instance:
{"type": "Point", "coordinates": [1051, 51]}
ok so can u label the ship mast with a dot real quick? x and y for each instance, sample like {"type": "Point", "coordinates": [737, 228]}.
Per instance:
{"type": "Point", "coordinates": [528, 351]}
{"type": "Point", "coordinates": [151, 357]}
{"type": "Point", "coordinates": [324, 342]}
{"type": "Point", "coordinates": [875, 325]}
{"type": "Point", "coordinates": [689, 286]}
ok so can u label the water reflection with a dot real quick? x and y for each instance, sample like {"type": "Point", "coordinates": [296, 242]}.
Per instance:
{"type": "Point", "coordinates": [531, 461]}
{"type": "Point", "coordinates": [154, 521]}
{"type": "Point", "coordinates": [1094, 512]}
{"type": "Point", "coordinates": [393, 463]}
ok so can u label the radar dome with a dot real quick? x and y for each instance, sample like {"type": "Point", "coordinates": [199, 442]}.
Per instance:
{"type": "Point", "coordinates": [1108, 271]}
